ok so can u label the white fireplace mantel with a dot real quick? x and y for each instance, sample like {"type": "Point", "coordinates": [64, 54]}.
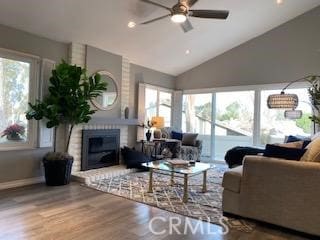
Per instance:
{"type": "Point", "coordinates": [115, 121]}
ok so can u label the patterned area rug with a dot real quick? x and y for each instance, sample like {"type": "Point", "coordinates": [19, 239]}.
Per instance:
{"type": "Point", "coordinates": [203, 206]}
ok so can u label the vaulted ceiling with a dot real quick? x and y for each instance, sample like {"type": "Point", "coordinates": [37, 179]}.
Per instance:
{"type": "Point", "coordinates": [161, 45]}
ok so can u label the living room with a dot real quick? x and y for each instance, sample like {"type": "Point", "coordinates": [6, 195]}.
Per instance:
{"type": "Point", "coordinates": [207, 88]}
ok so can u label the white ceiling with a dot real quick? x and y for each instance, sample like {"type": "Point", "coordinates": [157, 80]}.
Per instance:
{"type": "Point", "coordinates": [161, 45]}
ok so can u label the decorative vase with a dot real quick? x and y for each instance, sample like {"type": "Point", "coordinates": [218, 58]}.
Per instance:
{"type": "Point", "coordinates": [148, 135]}
{"type": "Point", "coordinates": [126, 113]}
{"type": "Point", "coordinates": [14, 137]}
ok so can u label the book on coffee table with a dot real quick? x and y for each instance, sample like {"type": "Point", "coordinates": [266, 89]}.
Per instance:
{"type": "Point", "coordinates": [178, 163]}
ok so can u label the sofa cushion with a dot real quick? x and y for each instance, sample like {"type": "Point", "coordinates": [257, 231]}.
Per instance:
{"type": "Point", "coordinates": [176, 135]}
{"type": "Point", "coordinates": [232, 179]}
{"type": "Point", "coordinates": [313, 152]}
{"type": "Point", "coordinates": [189, 139]}
{"type": "Point", "coordinates": [283, 152]}
{"type": "Point", "coordinates": [298, 144]}
{"type": "Point", "coordinates": [290, 139]}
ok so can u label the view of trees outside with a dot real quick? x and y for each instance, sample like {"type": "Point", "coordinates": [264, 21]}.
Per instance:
{"type": "Point", "coordinates": [197, 118]}
{"type": "Point", "coordinates": [14, 92]}
{"type": "Point", "coordinates": [274, 126]}
{"type": "Point", "coordinates": [150, 103]}
{"type": "Point", "coordinates": [234, 121]}
{"type": "Point", "coordinates": [234, 113]}
{"type": "Point", "coordinates": [197, 113]}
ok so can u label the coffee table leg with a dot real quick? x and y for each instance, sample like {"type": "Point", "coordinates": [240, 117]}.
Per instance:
{"type": "Point", "coordinates": [185, 189]}
{"type": "Point", "coordinates": [204, 184]}
{"type": "Point", "coordinates": [172, 178]}
{"type": "Point", "coordinates": [150, 181]}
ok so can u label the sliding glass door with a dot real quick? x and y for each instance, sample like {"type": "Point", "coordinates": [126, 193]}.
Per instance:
{"type": "Point", "coordinates": [197, 118]}
{"type": "Point", "coordinates": [225, 119]}
{"type": "Point", "coordinates": [233, 121]}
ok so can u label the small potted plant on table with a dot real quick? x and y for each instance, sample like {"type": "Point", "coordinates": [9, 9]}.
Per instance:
{"type": "Point", "coordinates": [66, 105]}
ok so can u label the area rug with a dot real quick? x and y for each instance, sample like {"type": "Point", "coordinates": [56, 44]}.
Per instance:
{"type": "Point", "coordinates": [203, 206]}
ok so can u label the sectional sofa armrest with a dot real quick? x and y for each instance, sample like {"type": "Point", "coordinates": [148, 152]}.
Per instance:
{"type": "Point", "coordinates": [277, 191]}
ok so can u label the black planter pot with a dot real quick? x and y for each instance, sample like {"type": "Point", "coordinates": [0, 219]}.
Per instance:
{"type": "Point", "coordinates": [57, 172]}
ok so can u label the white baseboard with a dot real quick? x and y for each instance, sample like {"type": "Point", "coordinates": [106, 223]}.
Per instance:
{"type": "Point", "coordinates": [21, 183]}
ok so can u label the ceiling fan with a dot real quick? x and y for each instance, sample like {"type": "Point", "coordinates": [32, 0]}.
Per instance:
{"type": "Point", "coordinates": [180, 13]}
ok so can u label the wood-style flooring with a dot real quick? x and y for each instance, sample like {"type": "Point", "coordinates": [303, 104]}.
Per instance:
{"type": "Point", "coordinates": [77, 212]}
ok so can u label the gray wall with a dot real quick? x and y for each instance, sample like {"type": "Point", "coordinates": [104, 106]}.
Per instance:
{"type": "Point", "coordinates": [28, 43]}
{"type": "Point", "coordinates": [97, 59]}
{"type": "Point", "coordinates": [149, 76]}
{"type": "Point", "coordinates": [283, 54]}
{"type": "Point", "coordinates": [24, 164]}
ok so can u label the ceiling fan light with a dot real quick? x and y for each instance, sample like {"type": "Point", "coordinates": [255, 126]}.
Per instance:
{"type": "Point", "coordinates": [178, 18]}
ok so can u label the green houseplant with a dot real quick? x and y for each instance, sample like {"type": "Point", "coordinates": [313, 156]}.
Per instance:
{"type": "Point", "coordinates": [66, 105]}
{"type": "Point", "coordinates": [314, 93]}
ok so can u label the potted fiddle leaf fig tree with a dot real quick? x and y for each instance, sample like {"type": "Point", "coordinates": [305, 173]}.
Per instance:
{"type": "Point", "coordinates": [66, 105]}
{"type": "Point", "coordinates": [314, 93]}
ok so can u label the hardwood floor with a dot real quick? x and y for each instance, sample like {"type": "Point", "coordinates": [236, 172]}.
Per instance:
{"type": "Point", "coordinates": [77, 212]}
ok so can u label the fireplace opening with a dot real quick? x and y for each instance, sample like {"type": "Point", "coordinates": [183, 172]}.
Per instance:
{"type": "Point", "coordinates": [100, 148]}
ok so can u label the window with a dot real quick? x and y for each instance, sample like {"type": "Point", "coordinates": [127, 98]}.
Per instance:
{"type": "Point", "coordinates": [165, 107]}
{"type": "Point", "coordinates": [158, 102]}
{"type": "Point", "coordinates": [15, 92]}
{"type": "Point", "coordinates": [197, 118]}
{"type": "Point", "coordinates": [233, 121]}
{"type": "Point", "coordinates": [225, 119]}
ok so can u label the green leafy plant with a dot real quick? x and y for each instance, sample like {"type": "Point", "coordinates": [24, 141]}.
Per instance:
{"type": "Point", "coordinates": [67, 103]}
{"type": "Point", "coordinates": [314, 93]}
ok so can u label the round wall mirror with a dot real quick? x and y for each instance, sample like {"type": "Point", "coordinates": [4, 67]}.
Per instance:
{"type": "Point", "coordinates": [108, 98]}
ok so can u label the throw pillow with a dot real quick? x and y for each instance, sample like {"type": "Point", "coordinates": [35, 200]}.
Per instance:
{"type": "Point", "coordinates": [176, 135]}
{"type": "Point", "coordinates": [133, 158]}
{"type": "Point", "coordinates": [189, 139]}
{"type": "Point", "coordinates": [313, 151]}
{"type": "Point", "coordinates": [291, 138]}
{"type": "Point", "coordinates": [283, 152]}
{"type": "Point", "coordinates": [298, 144]}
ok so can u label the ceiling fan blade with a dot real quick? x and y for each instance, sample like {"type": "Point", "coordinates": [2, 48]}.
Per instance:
{"type": "Point", "coordinates": [156, 19]}
{"type": "Point", "coordinates": [157, 4]}
{"type": "Point", "coordinates": [189, 3]}
{"type": "Point", "coordinates": [217, 14]}
{"type": "Point", "coordinates": [186, 26]}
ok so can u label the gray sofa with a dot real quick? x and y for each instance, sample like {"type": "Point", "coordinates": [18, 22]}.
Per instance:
{"type": "Point", "coordinates": [276, 191]}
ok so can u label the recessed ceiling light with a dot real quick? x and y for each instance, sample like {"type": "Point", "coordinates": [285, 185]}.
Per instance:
{"type": "Point", "coordinates": [131, 24]}
{"type": "Point", "coordinates": [187, 51]}
{"type": "Point", "coordinates": [279, 2]}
